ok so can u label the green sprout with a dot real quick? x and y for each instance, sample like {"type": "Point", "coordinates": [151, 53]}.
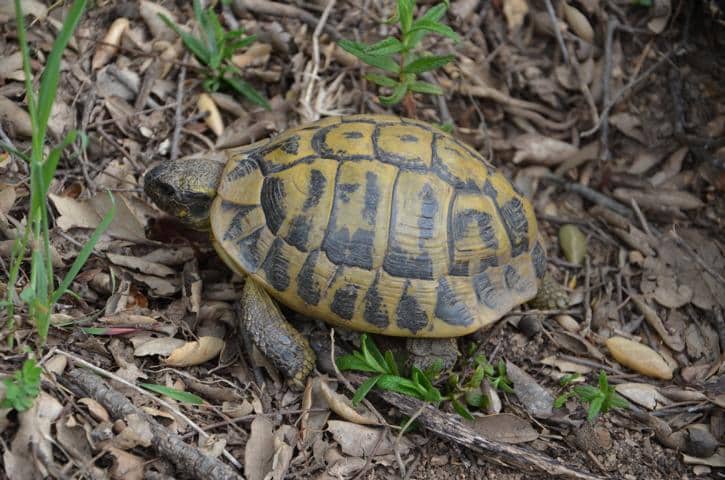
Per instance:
{"type": "Point", "coordinates": [23, 387]}
{"type": "Point", "coordinates": [400, 58]}
{"type": "Point", "coordinates": [214, 48]}
{"type": "Point", "coordinates": [601, 399]}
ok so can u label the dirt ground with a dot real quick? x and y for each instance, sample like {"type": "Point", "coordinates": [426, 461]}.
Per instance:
{"type": "Point", "coordinates": [608, 115]}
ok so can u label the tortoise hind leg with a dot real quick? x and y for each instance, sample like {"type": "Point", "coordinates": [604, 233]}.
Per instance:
{"type": "Point", "coordinates": [270, 332]}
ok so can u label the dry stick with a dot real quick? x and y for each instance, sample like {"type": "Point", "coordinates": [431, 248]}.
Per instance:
{"type": "Point", "coordinates": [450, 427]}
{"type": "Point", "coordinates": [591, 195]}
{"type": "Point", "coordinates": [587, 297]}
{"type": "Point", "coordinates": [557, 30]}
{"type": "Point", "coordinates": [604, 153]}
{"type": "Point", "coordinates": [169, 445]}
{"type": "Point", "coordinates": [316, 55]}
{"type": "Point", "coordinates": [145, 393]}
{"type": "Point", "coordinates": [266, 7]}
{"type": "Point", "coordinates": [178, 121]}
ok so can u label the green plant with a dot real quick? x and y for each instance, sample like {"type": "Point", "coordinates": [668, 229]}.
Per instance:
{"type": "Point", "coordinates": [22, 388]}
{"type": "Point", "coordinates": [467, 392]}
{"type": "Point", "coordinates": [178, 395]}
{"type": "Point", "coordinates": [214, 48]}
{"type": "Point", "coordinates": [40, 293]}
{"type": "Point", "coordinates": [400, 57]}
{"type": "Point", "coordinates": [386, 374]}
{"type": "Point", "coordinates": [601, 399]}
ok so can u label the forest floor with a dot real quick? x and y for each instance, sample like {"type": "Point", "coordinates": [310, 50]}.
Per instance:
{"type": "Point", "coordinates": [608, 115]}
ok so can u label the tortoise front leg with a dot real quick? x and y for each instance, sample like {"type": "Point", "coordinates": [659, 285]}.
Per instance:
{"type": "Point", "coordinates": [276, 338]}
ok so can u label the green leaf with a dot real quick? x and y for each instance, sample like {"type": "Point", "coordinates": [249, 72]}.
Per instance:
{"type": "Point", "coordinates": [353, 362]}
{"type": "Point", "coordinates": [23, 387]}
{"type": "Point", "coordinates": [474, 398]}
{"type": "Point", "coordinates": [398, 93]}
{"type": "Point", "coordinates": [51, 164]}
{"type": "Point", "coordinates": [477, 377]}
{"type": "Point", "coordinates": [618, 401]}
{"type": "Point", "coordinates": [405, 14]}
{"type": "Point", "coordinates": [85, 252]}
{"type": "Point", "coordinates": [586, 392]}
{"type": "Point", "coordinates": [382, 80]}
{"type": "Point", "coordinates": [573, 243]}
{"type": "Point", "coordinates": [461, 409]}
{"type": "Point", "coordinates": [392, 365]}
{"type": "Point", "coordinates": [51, 71]}
{"type": "Point", "coordinates": [432, 26]}
{"type": "Point", "coordinates": [177, 395]}
{"type": "Point", "coordinates": [561, 399]}
{"type": "Point", "coordinates": [384, 62]}
{"type": "Point", "coordinates": [432, 14]}
{"type": "Point", "coordinates": [385, 47]}
{"type": "Point", "coordinates": [595, 408]}
{"type": "Point", "coordinates": [568, 379]}
{"type": "Point", "coordinates": [372, 353]}
{"type": "Point", "coordinates": [603, 383]}
{"type": "Point", "coordinates": [425, 64]}
{"type": "Point", "coordinates": [248, 91]}
{"type": "Point", "coordinates": [424, 87]}
{"type": "Point", "coordinates": [199, 50]}
{"type": "Point", "coordinates": [364, 389]}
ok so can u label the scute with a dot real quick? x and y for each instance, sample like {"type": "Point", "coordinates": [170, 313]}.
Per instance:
{"type": "Point", "coordinates": [379, 224]}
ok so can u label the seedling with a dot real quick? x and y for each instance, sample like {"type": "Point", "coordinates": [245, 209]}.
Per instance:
{"type": "Point", "coordinates": [600, 400]}
{"type": "Point", "coordinates": [214, 48]}
{"type": "Point", "coordinates": [469, 393]}
{"type": "Point", "coordinates": [400, 57]}
{"type": "Point", "coordinates": [22, 388]}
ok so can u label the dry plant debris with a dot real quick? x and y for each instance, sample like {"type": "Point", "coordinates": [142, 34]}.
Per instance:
{"type": "Point", "coordinates": [610, 116]}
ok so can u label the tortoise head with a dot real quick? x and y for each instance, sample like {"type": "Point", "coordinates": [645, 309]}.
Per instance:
{"type": "Point", "coordinates": [185, 188]}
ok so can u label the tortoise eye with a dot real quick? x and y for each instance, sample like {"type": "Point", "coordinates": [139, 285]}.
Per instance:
{"type": "Point", "coordinates": [166, 190]}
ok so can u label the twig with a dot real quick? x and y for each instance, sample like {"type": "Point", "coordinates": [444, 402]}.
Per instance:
{"type": "Point", "coordinates": [307, 99]}
{"type": "Point", "coordinates": [104, 391]}
{"type": "Point", "coordinates": [267, 7]}
{"type": "Point", "coordinates": [640, 216]}
{"type": "Point", "coordinates": [604, 153]}
{"type": "Point", "coordinates": [178, 121]}
{"type": "Point", "coordinates": [557, 31]}
{"type": "Point", "coordinates": [587, 297]}
{"type": "Point", "coordinates": [591, 195]}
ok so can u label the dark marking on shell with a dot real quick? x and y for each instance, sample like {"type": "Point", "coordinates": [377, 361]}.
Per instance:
{"type": "Point", "coordinates": [449, 307]}
{"type": "Point", "coordinates": [459, 268]}
{"type": "Point", "coordinates": [345, 189]}
{"type": "Point", "coordinates": [375, 312]}
{"type": "Point", "coordinates": [315, 189]}
{"type": "Point", "coordinates": [485, 263]}
{"type": "Point", "coordinates": [235, 226]}
{"type": "Point", "coordinates": [355, 251]}
{"type": "Point", "coordinates": [538, 257]}
{"type": "Point", "coordinates": [409, 314]}
{"type": "Point", "coordinates": [249, 250]}
{"type": "Point", "coordinates": [400, 263]}
{"type": "Point", "coordinates": [440, 168]}
{"type": "Point", "coordinates": [242, 168]}
{"type": "Point", "coordinates": [308, 287]}
{"type": "Point", "coordinates": [299, 232]}
{"type": "Point", "coordinates": [372, 198]}
{"type": "Point", "coordinates": [514, 220]}
{"type": "Point", "coordinates": [276, 266]}
{"type": "Point", "coordinates": [319, 143]}
{"type": "Point", "coordinates": [407, 138]}
{"type": "Point", "coordinates": [392, 158]}
{"type": "Point", "coordinates": [352, 135]}
{"type": "Point", "coordinates": [513, 279]}
{"type": "Point", "coordinates": [486, 230]}
{"type": "Point", "coordinates": [485, 290]}
{"type": "Point", "coordinates": [343, 302]}
{"type": "Point", "coordinates": [272, 198]}
{"type": "Point", "coordinates": [428, 210]}
{"type": "Point", "coordinates": [291, 145]}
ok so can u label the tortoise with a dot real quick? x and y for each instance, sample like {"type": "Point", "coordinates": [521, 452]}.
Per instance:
{"type": "Point", "coordinates": [374, 223]}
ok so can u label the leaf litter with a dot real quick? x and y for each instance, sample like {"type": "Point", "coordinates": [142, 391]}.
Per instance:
{"type": "Point", "coordinates": [642, 189]}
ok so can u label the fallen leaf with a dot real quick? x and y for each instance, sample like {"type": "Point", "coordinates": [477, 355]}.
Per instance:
{"type": "Point", "coordinates": [137, 432]}
{"type": "Point", "coordinates": [163, 346]}
{"type": "Point", "coordinates": [578, 23]}
{"type": "Point", "coordinates": [535, 148]}
{"type": "Point", "coordinates": [565, 366]}
{"type": "Point", "coordinates": [141, 265]}
{"type": "Point", "coordinates": [629, 125]}
{"type": "Point", "coordinates": [360, 441]}
{"type": "Point", "coordinates": [213, 119]}
{"type": "Point", "coordinates": [126, 466]}
{"type": "Point", "coordinates": [259, 450]}
{"type": "Point", "coordinates": [657, 199]}
{"type": "Point", "coordinates": [504, 427]}
{"type": "Point", "coordinates": [715, 461]}
{"type": "Point", "coordinates": [515, 11]}
{"type": "Point", "coordinates": [29, 7]}
{"type": "Point", "coordinates": [639, 358]}
{"type": "Point", "coordinates": [642, 394]}
{"type": "Point", "coordinates": [536, 399]}
{"type": "Point", "coordinates": [196, 352]}
{"type": "Point", "coordinates": [22, 462]}
{"type": "Point", "coordinates": [108, 47]}
{"type": "Point", "coordinates": [573, 243]}
{"type": "Point", "coordinates": [96, 410]}
{"type": "Point", "coordinates": [342, 405]}
{"type": "Point", "coordinates": [150, 12]}
{"type": "Point", "coordinates": [14, 116]}
{"type": "Point", "coordinates": [7, 197]}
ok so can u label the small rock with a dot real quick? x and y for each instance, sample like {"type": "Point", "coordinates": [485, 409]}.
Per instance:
{"type": "Point", "coordinates": [700, 442]}
{"type": "Point", "coordinates": [568, 323]}
{"type": "Point", "coordinates": [530, 325]}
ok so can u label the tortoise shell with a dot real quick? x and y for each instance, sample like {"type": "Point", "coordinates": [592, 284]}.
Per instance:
{"type": "Point", "coordinates": [380, 224]}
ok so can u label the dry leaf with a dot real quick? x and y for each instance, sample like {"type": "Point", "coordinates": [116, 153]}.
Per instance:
{"type": "Point", "coordinates": [639, 358]}
{"type": "Point", "coordinates": [674, 341]}
{"type": "Point", "coordinates": [22, 462]}
{"type": "Point", "coordinates": [255, 56]}
{"type": "Point", "coordinates": [96, 410]}
{"type": "Point", "coordinates": [542, 150]}
{"type": "Point", "coordinates": [126, 466]}
{"type": "Point", "coordinates": [579, 23]}
{"type": "Point", "coordinates": [7, 197]}
{"type": "Point", "coordinates": [342, 405]}
{"type": "Point", "coordinates": [213, 119]}
{"type": "Point", "coordinates": [30, 7]}
{"type": "Point", "coordinates": [360, 441]}
{"type": "Point", "coordinates": [515, 11]}
{"type": "Point", "coordinates": [642, 394]}
{"type": "Point", "coordinates": [629, 125]}
{"type": "Point", "coordinates": [715, 461]}
{"type": "Point", "coordinates": [141, 265]}
{"type": "Point", "coordinates": [164, 346]}
{"type": "Point", "coordinates": [150, 12]}
{"type": "Point", "coordinates": [14, 116]}
{"type": "Point", "coordinates": [196, 353]}
{"type": "Point", "coordinates": [259, 450]}
{"type": "Point", "coordinates": [659, 198]}
{"type": "Point", "coordinates": [109, 45]}
{"type": "Point", "coordinates": [536, 399]}
{"type": "Point", "coordinates": [504, 427]}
